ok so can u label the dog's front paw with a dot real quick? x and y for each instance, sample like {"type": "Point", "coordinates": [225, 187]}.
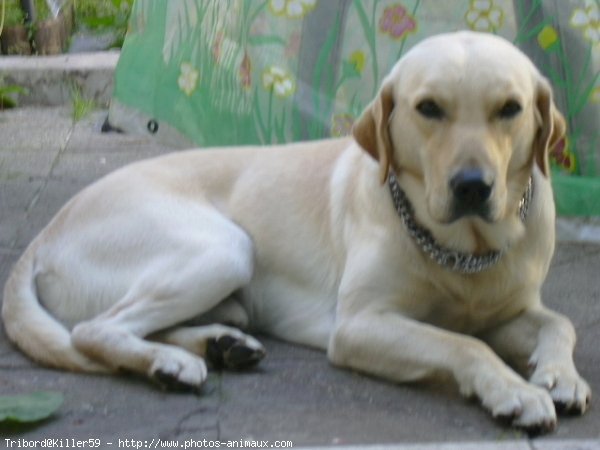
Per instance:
{"type": "Point", "coordinates": [571, 393]}
{"type": "Point", "coordinates": [234, 352]}
{"type": "Point", "coordinates": [523, 406]}
{"type": "Point", "coordinates": [176, 369]}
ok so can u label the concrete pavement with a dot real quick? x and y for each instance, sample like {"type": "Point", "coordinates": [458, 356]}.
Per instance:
{"type": "Point", "coordinates": [294, 395]}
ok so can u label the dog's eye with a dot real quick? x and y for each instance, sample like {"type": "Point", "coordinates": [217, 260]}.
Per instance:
{"type": "Point", "coordinates": [509, 110]}
{"type": "Point", "coordinates": [430, 109]}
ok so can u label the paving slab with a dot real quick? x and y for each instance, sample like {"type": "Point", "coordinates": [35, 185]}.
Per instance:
{"type": "Point", "coordinates": [15, 197]}
{"type": "Point", "coordinates": [294, 395]}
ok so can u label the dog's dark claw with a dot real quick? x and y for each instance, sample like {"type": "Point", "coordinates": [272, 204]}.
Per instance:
{"type": "Point", "coordinates": [562, 408]}
{"type": "Point", "coordinates": [241, 357]}
{"type": "Point", "coordinates": [227, 352]}
{"type": "Point", "coordinates": [537, 430]}
{"type": "Point", "coordinates": [573, 409]}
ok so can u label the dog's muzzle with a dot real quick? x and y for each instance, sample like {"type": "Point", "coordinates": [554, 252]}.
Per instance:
{"type": "Point", "coordinates": [470, 194]}
{"type": "Point", "coordinates": [452, 259]}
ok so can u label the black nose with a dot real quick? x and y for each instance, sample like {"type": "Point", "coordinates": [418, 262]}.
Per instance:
{"type": "Point", "coordinates": [470, 190]}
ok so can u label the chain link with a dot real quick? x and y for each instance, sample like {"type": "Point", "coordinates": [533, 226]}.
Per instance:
{"type": "Point", "coordinates": [466, 263]}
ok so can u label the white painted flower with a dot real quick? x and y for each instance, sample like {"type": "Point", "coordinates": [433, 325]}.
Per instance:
{"type": "Point", "coordinates": [188, 78]}
{"type": "Point", "coordinates": [484, 15]}
{"type": "Point", "coordinates": [588, 20]}
{"type": "Point", "coordinates": [279, 80]}
{"type": "Point", "coordinates": [292, 9]}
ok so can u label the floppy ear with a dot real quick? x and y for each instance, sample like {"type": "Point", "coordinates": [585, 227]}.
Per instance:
{"type": "Point", "coordinates": [551, 124]}
{"type": "Point", "coordinates": [371, 129]}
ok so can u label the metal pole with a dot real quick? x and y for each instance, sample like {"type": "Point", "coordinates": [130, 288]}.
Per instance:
{"type": "Point", "coordinates": [29, 9]}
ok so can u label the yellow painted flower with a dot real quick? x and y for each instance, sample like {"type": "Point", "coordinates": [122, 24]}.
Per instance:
{"type": "Point", "coordinates": [188, 78]}
{"type": "Point", "coordinates": [291, 9]}
{"type": "Point", "coordinates": [595, 95]}
{"type": "Point", "coordinates": [357, 59]}
{"type": "Point", "coordinates": [484, 15]}
{"type": "Point", "coordinates": [588, 21]}
{"type": "Point", "coordinates": [547, 37]}
{"type": "Point", "coordinates": [279, 80]}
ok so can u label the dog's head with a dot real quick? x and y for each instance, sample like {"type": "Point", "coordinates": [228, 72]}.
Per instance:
{"type": "Point", "coordinates": [468, 115]}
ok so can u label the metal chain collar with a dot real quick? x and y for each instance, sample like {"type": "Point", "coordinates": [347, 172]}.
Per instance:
{"type": "Point", "coordinates": [466, 263]}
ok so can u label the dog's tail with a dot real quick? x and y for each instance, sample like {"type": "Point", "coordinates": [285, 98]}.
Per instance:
{"type": "Point", "coordinates": [33, 329]}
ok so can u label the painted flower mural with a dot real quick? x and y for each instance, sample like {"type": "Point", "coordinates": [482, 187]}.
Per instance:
{"type": "Point", "coordinates": [341, 125]}
{"type": "Point", "coordinates": [595, 95]}
{"type": "Point", "coordinates": [245, 71]}
{"type": "Point", "coordinates": [484, 15]}
{"type": "Point", "coordinates": [246, 62]}
{"type": "Point", "coordinates": [357, 59]}
{"type": "Point", "coordinates": [587, 19]}
{"type": "Point", "coordinates": [280, 81]}
{"type": "Point", "coordinates": [547, 37]}
{"type": "Point", "coordinates": [217, 47]}
{"type": "Point", "coordinates": [562, 156]}
{"type": "Point", "coordinates": [188, 78]}
{"type": "Point", "coordinates": [397, 22]}
{"type": "Point", "coordinates": [291, 9]}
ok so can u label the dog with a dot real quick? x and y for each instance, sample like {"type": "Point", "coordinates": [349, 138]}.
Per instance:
{"type": "Point", "coordinates": [414, 248]}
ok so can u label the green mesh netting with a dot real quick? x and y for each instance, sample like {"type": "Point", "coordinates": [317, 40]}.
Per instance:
{"type": "Point", "coordinates": [222, 72]}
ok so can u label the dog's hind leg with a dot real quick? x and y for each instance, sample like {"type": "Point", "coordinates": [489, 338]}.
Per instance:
{"type": "Point", "coordinates": [222, 346]}
{"type": "Point", "coordinates": [197, 273]}
{"type": "Point", "coordinates": [216, 336]}
{"type": "Point", "coordinates": [229, 312]}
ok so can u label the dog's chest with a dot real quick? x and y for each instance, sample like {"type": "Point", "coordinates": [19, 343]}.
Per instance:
{"type": "Point", "coordinates": [470, 305]}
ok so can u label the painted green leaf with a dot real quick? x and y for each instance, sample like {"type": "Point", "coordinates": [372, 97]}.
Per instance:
{"type": "Point", "coordinates": [349, 70]}
{"type": "Point", "coordinates": [29, 407]}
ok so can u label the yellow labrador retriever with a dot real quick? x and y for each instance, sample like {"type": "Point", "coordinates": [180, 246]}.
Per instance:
{"type": "Point", "coordinates": [390, 250]}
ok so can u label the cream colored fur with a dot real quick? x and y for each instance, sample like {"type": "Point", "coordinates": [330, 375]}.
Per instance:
{"type": "Point", "coordinates": [302, 242]}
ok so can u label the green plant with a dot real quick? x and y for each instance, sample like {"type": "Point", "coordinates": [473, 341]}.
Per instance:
{"type": "Point", "coordinates": [13, 13]}
{"type": "Point", "coordinates": [80, 105]}
{"type": "Point", "coordinates": [8, 94]}
{"type": "Point", "coordinates": [42, 12]}
{"type": "Point", "coordinates": [105, 15]}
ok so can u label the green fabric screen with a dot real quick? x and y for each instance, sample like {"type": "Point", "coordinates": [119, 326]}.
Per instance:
{"type": "Point", "coordinates": [223, 72]}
